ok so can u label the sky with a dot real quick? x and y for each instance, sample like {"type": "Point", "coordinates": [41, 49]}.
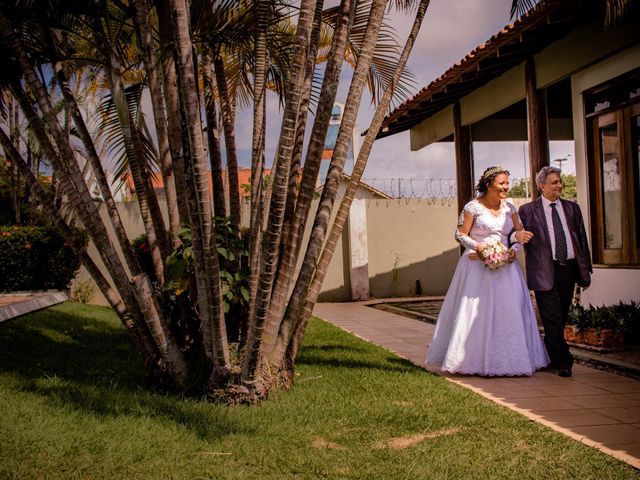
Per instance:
{"type": "Point", "coordinates": [451, 29]}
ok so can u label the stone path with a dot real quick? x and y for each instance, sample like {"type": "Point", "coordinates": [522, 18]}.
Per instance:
{"type": "Point", "coordinates": [598, 408]}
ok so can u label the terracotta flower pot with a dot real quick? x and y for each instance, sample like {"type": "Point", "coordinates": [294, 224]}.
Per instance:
{"type": "Point", "coordinates": [598, 339]}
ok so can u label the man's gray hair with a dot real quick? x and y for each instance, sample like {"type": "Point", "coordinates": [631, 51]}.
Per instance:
{"type": "Point", "coordinates": [541, 176]}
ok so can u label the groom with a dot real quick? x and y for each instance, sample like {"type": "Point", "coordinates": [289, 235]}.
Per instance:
{"type": "Point", "coordinates": [557, 258]}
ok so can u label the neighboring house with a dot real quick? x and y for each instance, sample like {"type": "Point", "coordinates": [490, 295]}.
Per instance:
{"type": "Point", "coordinates": [555, 74]}
{"type": "Point", "coordinates": [330, 143]}
{"type": "Point", "coordinates": [244, 182]}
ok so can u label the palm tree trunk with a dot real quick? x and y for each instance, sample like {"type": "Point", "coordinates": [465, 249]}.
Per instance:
{"type": "Point", "coordinates": [14, 131]}
{"type": "Point", "coordinates": [323, 215]}
{"type": "Point", "coordinates": [271, 242]}
{"type": "Point", "coordinates": [159, 115]}
{"type": "Point", "coordinates": [98, 172]}
{"type": "Point", "coordinates": [205, 252]}
{"type": "Point", "coordinates": [159, 330]}
{"type": "Point", "coordinates": [172, 101]}
{"type": "Point", "coordinates": [228, 125]}
{"type": "Point", "coordinates": [343, 211]}
{"type": "Point", "coordinates": [147, 201]}
{"type": "Point", "coordinates": [288, 249]}
{"type": "Point", "coordinates": [257, 150]}
{"type": "Point", "coordinates": [213, 138]}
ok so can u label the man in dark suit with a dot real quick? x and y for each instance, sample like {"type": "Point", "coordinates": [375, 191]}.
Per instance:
{"type": "Point", "coordinates": [557, 257]}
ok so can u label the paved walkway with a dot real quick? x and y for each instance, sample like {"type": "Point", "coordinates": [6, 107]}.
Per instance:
{"type": "Point", "coordinates": [20, 303]}
{"type": "Point", "coordinates": [597, 408]}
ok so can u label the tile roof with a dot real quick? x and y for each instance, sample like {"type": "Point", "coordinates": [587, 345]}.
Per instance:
{"type": "Point", "coordinates": [548, 21]}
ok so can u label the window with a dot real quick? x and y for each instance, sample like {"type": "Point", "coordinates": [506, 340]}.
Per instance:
{"type": "Point", "coordinates": [613, 119]}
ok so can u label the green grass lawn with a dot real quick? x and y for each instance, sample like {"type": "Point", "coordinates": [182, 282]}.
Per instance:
{"type": "Point", "coordinates": [72, 405]}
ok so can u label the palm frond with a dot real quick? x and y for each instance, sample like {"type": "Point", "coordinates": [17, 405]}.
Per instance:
{"type": "Point", "coordinates": [109, 132]}
{"type": "Point", "coordinates": [384, 59]}
{"type": "Point", "coordinates": [520, 7]}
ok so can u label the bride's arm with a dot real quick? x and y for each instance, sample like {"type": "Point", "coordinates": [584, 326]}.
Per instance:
{"type": "Point", "coordinates": [465, 222]}
{"type": "Point", "coordinates": [518, 237]}
{"type": "Point", "coordinates": [520, 234]}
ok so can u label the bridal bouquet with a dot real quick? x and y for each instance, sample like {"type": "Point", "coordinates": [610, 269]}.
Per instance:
{"type": "Point", "coordinates": [495, 254]}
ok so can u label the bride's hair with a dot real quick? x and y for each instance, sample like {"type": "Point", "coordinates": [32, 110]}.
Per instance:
{"type": "Point", "coordinates": [488, 177]}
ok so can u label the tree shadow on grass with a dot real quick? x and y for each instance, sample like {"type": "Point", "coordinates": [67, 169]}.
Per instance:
{"type": "Point", "coordinates": [347, 356]}
{"type": "Point", "coordinates": [87, 360]}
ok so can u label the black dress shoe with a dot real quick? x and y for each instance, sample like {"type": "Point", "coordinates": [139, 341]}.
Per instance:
{"type": "Point", "coordinates": [564, 372]}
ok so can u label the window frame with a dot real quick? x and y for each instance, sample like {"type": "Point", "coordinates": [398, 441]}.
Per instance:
{"type": "Point", "coordinates": [621, 115]}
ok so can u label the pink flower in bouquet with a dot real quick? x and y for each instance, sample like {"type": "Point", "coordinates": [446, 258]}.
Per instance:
{"type": "Point", "coordinates": [495, 254]}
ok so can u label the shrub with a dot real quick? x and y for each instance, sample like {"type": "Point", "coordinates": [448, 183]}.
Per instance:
{"type": "Point", "coordinates": [35, 258]}
{"type": "Point", "coordinates": [83, 291]}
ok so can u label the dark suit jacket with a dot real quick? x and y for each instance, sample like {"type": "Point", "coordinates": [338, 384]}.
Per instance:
{"type": "Point", "coordinates": [538, 256]}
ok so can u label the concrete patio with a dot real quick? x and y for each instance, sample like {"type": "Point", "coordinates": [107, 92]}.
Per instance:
{"type": "Point", "coordinates": [595, 407]}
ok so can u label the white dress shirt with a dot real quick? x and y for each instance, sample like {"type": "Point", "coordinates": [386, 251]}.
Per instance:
{"type": "Point", "coordinates": [546, 204]}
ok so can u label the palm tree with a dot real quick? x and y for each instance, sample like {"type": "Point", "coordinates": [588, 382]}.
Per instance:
{"type": "Point", "coordinates": [114, 42]}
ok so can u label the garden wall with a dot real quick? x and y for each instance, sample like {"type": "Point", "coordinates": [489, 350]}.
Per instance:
{"type": "Point", "coordinates": [411, 249]}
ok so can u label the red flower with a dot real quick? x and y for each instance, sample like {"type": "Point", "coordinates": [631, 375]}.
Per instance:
{"type": "Point", "coordinates": [6, 234]}
{"type": "Point", "coordinates": [27, 246]}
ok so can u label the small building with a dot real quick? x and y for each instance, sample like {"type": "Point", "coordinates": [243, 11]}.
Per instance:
{"type": "Point", "coordinates": [557, 73]}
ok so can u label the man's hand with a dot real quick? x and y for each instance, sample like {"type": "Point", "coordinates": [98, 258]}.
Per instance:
{"type": "Point", "coordinates": [523, 236]}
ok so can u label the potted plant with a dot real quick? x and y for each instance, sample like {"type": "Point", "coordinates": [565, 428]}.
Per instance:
{"type": "Point", "coordinates": [594, 328]}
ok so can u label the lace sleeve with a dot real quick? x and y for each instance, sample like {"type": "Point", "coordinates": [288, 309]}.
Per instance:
{"type": "Point", "coordinates": [465, 240]}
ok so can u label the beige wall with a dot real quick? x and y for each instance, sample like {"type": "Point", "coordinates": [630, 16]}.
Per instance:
{"type": "Point", "coordinates": [418, 233]}
{"type": "Point", "coordinates": [408, 240]}
{"type": "Point", "coordinates": [411, 240]}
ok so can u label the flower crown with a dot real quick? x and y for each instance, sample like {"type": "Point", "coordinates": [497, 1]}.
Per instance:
{"type": "Point", "coordinates": [491, 171]}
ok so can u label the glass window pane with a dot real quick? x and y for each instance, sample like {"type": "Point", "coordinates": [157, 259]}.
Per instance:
{"type": "Point", "coordinates": [612, 196]}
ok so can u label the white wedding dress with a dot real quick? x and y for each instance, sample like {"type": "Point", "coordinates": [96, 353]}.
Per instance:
{"type": "Point", "coordinates": [487, 325]}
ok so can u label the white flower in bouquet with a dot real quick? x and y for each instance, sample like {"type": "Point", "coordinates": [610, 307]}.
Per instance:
{"type": "Point", "coordinates": [495, 254]}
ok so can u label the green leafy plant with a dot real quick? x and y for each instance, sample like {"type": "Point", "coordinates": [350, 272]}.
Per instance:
{"type": "Point", "coordinates": [623, 317]}
{"type": "Point", "coordinates": [233, 254]}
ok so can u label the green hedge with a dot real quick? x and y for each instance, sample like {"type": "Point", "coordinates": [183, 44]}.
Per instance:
{"type": "Point", "coordinates": [35, 258]}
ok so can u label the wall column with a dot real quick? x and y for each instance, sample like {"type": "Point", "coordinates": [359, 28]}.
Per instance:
{"type": "Point", "coordinates": [537, 123]}
{"type": "Point", "coordinates": [358, 250]}
{"type": "Point", "coordinates": [464, 158]}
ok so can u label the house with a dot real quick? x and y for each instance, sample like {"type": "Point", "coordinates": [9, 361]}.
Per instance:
{"type": "Point", "coordinates": [555, 74]}
{"type": "Point", "coordinates": [330, 143]}
{"type": "Point", "coordinates": [244, 181]}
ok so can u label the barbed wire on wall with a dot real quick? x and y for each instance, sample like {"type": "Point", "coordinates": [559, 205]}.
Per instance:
{"type": "Point", "coordinates": [433, 190]}
{"type": "Point", "coordinates": [430, 189]}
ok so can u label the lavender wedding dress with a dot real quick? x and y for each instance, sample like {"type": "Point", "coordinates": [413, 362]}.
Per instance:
{"type": "Point", "coordinates": [487, 325]}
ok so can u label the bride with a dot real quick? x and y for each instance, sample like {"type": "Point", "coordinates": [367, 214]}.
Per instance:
{"type": "Point", "coordinates": [487, 325]}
